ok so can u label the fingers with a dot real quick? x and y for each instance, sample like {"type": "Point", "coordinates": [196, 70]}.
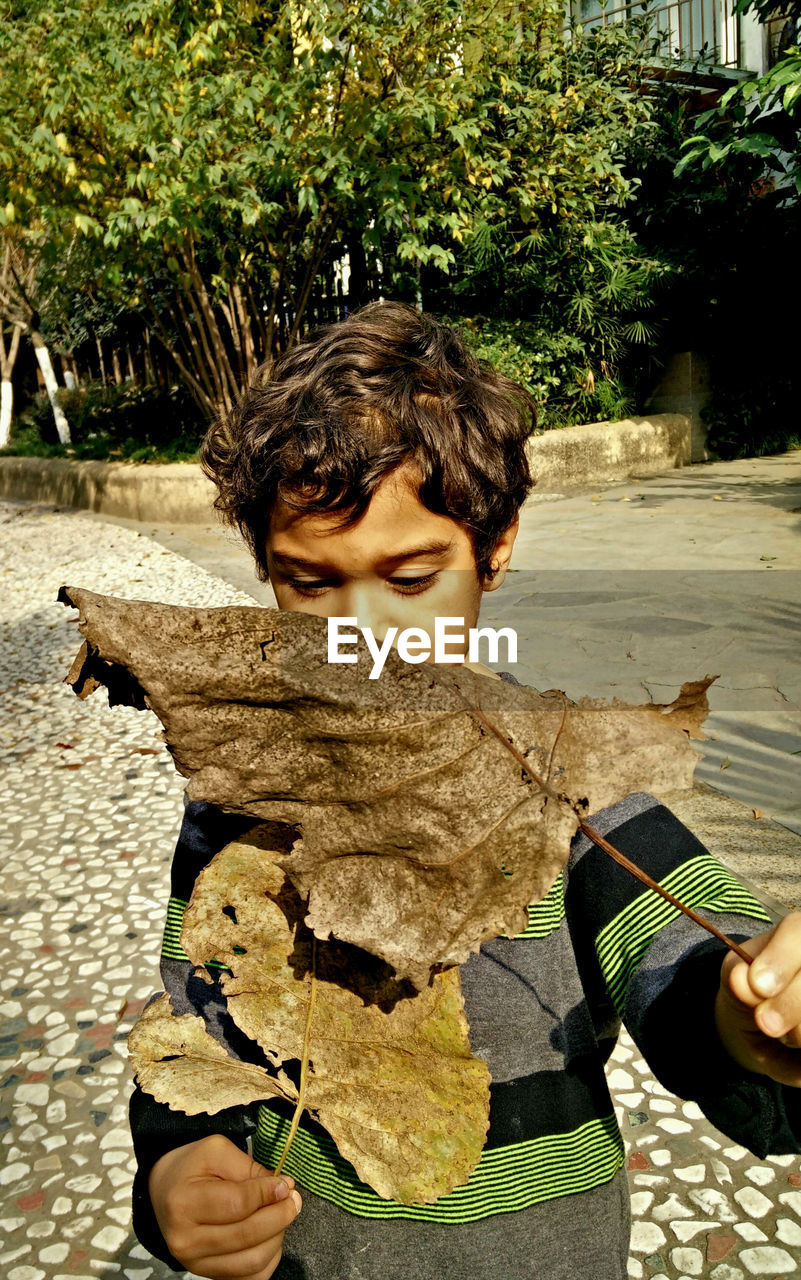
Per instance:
{"type": "Point", "coordinates": [223, 1201]}
{"type": "Point", "coordinates": [771, 984]}
{"type": "Point", "coordinates": [247, 1250]}
{"type": "Point", "coordinates": [218, 1157]}
{"type": "Point", "coordinates": [749, 982]}
{"type": "Point", "coordinates": [770, 988]}
{"type": "Point", "coordinates": [780, 1063]}
{"type": "Point", "coordinates": [191, 1226]}
{"type": "Point", "coordinates": [260, 1228]}
{"type": "Point", "coordinates": [779, 960]}
{"type": "Point", "coordinates": [216, 1205]}
{"type": "Point", "coordinates": [256, 1265]}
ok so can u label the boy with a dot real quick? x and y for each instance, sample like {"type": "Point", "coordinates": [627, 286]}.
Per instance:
{"type": "Point", "coordinates": [377, 472]}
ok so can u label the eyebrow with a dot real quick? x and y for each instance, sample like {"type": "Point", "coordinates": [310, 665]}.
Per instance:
{"type": "Point", "coordinates": [434, 548]}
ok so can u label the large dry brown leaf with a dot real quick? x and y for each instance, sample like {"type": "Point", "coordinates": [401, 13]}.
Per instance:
{"type": "Point", "coordinates": [420, 834]}
{"type": "Point", "coordinates": [395, 1087]}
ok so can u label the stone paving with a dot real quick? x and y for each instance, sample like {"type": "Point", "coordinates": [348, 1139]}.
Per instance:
{"type": "Point", "coordinates": [92, 810]}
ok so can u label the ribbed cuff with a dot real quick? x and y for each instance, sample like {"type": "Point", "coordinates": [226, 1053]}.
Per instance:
{"type": "Point", "coordinates": [679, 1040]}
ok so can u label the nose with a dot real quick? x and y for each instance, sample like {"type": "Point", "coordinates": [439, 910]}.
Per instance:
{"type": "Point", "coordinates": [365, 601]}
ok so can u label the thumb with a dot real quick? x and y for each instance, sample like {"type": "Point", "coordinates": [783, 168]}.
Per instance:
{"type": "Point", "coordinates": [224, 1159]}
{"type": "Point", "coordinates": [737, 974]}
{"type": "Point", "coordinates": [263, 1188]}
{"type": "Point", "coordinates": [277, 1185]}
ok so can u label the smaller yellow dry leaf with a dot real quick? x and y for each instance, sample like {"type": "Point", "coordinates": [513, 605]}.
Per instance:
{"type": "Point", "coordinates": [177, 1061]}
{"type": "Point", "coordinates": [758, 813]}
{"type": "Point", "coordinates": [388, 1072]}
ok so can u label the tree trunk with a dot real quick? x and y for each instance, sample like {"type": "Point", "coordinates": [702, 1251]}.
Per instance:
{"type": "Point", "coordinates": [101, 361]}
{"type": "Point", "coordinates": [150, 373]}
{"type": "Point", "coordinates": [115, 364]}
{"type": "Point", "coordinates": [51, 386]}
{"type": "Point", "coordinates": [7, 361]}
{"type": "Point", "coordinates": [204, 310]}
{"type": "Point", "coordinates": [358, 286]}
{"type": "Point", "coordinates": [6, 410]}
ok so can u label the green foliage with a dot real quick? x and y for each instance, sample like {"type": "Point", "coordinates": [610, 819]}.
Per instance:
{"type": "Point", "coordinates": [552, 366]}
{"type": "Point", "coordinates": [731, 233]}
{"type": "Point", "coordinates": [594, 283]}
{"type": "Point", "coordinates": [140, 424]}
{"type": "Point", "coordinates": [586, 288]}
{"type": "Point", "coordinates": [758, 119]}
{"type": "Point", "coordinates": [212, 161]}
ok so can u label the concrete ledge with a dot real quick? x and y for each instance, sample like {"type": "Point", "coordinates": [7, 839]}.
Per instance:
{"type": "Point", "coordinates": [604, 451]}
{"type": "Point", "coordinates": [173, 493]}
{"type": "Point", "coordinates": [179, 493]}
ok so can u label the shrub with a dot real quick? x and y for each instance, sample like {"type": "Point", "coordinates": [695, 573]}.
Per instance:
{"type": "Point", "coordinates": [753, 417]}
{"type": "Point", "coordinates": [554, 366]}
{"type": "Point", "coordinates": [140, 424]}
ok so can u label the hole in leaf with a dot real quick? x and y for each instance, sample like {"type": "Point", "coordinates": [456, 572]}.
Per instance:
{"type": "Point", "coordinates": [292, 1068]}
{"type": "Point", "coordinates": [231, 913]}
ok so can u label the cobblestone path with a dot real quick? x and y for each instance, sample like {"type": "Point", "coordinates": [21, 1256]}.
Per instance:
{"type": "Point", "coordinates": [92, 809]}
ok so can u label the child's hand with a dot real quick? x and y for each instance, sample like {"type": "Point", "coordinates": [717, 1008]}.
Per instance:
{"type": "Point", "coordinates": [758, 1007]}
{"type": "Point", "coordinates": [222, 1215]}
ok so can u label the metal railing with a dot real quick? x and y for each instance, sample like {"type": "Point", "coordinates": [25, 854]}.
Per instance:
{"type": "Point", "coordinates": [690, 28]}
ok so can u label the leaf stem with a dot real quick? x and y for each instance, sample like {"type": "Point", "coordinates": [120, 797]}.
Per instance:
{"type": "Point", "coordinates": [643, 876]}
{"type": "Point", "coordinates": [304, 1065]}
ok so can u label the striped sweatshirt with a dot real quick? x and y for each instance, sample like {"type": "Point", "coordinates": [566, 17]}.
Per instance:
{"type": "Point", "coordinates": [548, 1198]}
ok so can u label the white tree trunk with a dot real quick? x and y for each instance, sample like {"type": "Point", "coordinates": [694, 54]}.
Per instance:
{"type": "Point", "coordinates": [8, 359]}
{"type": "Point", "coordinates": [46, 366]}
{"type": "Point", "coordinates": [6, 407]}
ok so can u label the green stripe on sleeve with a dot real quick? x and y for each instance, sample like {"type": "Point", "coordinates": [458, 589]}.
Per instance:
{"type": "Point", "coordinates": [545, 916]}
{"type": "Point", "coordinates": [505, 1179]}
{"type": "Point", "coordinates": [171, 948]}
{"type": "Point", "coordinates": [700, 882]}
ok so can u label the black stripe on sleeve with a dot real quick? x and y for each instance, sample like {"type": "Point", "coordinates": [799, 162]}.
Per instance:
{"type": "Point", "coordinates": [598, 888]}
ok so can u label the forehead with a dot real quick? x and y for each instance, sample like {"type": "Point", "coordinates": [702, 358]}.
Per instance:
{"type": "Point", "coordinates": [394, 523]}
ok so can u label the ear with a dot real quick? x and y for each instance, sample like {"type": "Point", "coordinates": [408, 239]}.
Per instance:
{"type": "Point", "coordinates": [501, 555]}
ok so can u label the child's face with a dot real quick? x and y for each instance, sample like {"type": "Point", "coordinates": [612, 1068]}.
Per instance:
{"type": "Point", "coordinates": [366, 571]}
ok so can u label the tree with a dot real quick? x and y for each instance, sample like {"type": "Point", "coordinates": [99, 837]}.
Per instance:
{"type": "Point", "coordinates": [719, 200]}
{"type": "Point", "coordinates": [221, 157]}
{"type": "Point", "coordinates": [8, 354]}
{"type": "Point", "coordinates": [20, 286]}
{"type": "Point", "coordinates": [566, 282]}
{"type": "Point", "coordinates": [759, 118]}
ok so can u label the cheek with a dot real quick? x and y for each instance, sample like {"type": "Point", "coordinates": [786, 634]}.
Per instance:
{"type": "Point", "coordinates": [458, 594]}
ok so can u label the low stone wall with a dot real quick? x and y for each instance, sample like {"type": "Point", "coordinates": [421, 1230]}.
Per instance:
{"type": "Point", "coordinates": [607, 451]}
{"type": "Point", "coordinates": [171, 493]}
{"type": "Point", "coordinates": [179, 493]}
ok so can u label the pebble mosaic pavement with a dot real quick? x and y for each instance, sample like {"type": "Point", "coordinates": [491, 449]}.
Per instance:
{"type": "Point", "coordinates": [92, 810]}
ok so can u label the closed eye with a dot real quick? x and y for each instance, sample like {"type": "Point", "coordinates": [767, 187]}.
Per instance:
{"type": "Point", "coordinates": [404, 586]}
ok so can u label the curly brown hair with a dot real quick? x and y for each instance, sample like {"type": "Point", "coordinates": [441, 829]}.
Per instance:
{"type": "Point", "coordinates": [335, 414]}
